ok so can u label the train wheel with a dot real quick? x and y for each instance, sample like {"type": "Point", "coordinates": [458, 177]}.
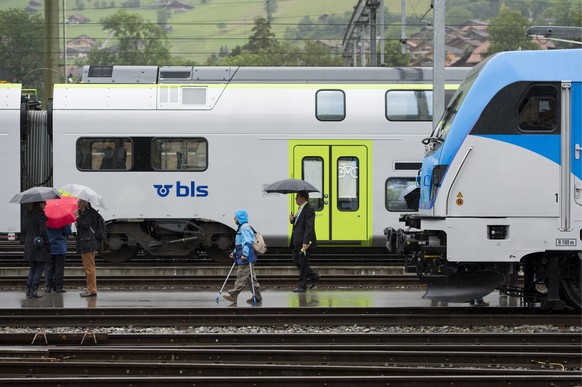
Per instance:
{"type": "Point", "coordinates": [573, 292]}
{"type": "Point", "coordinates": [570, 283]}
{"type": "Point", "coordinates": [124, 254]}
{"type": "Point", "coordinates": [219, 255]}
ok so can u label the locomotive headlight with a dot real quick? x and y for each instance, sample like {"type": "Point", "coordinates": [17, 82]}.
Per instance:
{"type": "Point", "coordinates": [497, 232]}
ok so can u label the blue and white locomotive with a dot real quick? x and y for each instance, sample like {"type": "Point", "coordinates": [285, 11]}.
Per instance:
{"type": "Point", "coordinates": [500, 189]}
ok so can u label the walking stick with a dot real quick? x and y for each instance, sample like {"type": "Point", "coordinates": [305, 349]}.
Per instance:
{"type": "Point", "coordinates": [253, 284]}
{"type": "Point", "coordinates": [224, 284]}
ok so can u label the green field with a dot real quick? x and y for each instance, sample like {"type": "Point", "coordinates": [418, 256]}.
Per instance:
{"type": "Point", "coordinates": [201, 31]}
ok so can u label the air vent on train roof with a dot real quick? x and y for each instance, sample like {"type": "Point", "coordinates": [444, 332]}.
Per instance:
{"type": "Point", "coordinates": [119, 74]}
{"type": "Point", "coordinates": [170, 74]}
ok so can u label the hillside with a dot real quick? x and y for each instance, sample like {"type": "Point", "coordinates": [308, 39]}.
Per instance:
{"type": "Point", "coordinates": [197, 32]}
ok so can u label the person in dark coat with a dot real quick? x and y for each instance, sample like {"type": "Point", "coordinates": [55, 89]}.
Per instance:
{"type": "Point", "coordinates": [87, 244]}
{"type": "Point", "coordinates": [303, 240]}
{"type": "Point", "coordinates": [56, 264]}
{"type": "Point", "coordinates": [36, 254]}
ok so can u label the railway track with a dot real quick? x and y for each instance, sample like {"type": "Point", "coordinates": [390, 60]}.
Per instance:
{"type": "Point", "coordinates": [281, 317]}
{"type": "Point", "coordinates": [311, 359]}
{"type": "Point", "coordinates": [11, 253]}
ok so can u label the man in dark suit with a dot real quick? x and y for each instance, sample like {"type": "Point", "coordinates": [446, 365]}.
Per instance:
{"type": "Point", "coordinates": [303, 240]}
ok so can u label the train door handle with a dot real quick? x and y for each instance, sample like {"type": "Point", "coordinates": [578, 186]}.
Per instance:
{"type": "Point", "coordinates": [577, 149]}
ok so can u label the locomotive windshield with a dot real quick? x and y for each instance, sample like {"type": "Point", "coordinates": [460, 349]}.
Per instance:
{"type": "Point", "coordinates": [442, 128]}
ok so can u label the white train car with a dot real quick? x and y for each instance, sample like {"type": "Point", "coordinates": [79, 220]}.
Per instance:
{"type": "Point", "coordinates": [10, 156]}
{"type": "Point", "coordinates": [175, 151]}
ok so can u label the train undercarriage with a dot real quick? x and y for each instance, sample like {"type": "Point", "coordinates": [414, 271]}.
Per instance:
{"type": "Point", "coordinates": [550, 278]}
{"type": "Point", "coordinates": [163, 238]}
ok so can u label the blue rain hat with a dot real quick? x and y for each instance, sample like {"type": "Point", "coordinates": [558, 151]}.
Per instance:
{"type": "Point", "coordinates": [241, 216]}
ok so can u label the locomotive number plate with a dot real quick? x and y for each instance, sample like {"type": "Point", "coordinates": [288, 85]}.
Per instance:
{"type": "Point", "coordinates": [565, 241]}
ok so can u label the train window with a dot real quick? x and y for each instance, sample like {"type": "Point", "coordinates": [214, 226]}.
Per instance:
{"type": "Point", "coordinates": [537, 111]}
{"type": "Point", "coordinates": [312, 172]}
{"type": "Point", "coordinates": [104, 153]}
{"type": "Point", "coordinates": [330, 105]}
{"type": "Point", "coordinates": [194, 95]}
{"type": "Point", "coordinates": [179, 154]}
{"type": "Point", "coordinates": [409, 105]}
{"type": "Point", "coordinates": [396, 189]}
{"type": "Point", "coordinates": [348, 184]}
{"type": "Point", "coordinates": [412, 105]}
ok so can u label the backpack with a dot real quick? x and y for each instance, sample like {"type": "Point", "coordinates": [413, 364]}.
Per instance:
{"type": "Point", "coordinates": [101, 232]}
{"type": "Point", "coordinates": [259, 244]}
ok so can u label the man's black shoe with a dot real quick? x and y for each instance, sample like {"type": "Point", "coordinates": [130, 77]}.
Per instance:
{"type": "Point", "coordinates": [299, 290]}
{"type": "Point", "coordinates": [314, 282]}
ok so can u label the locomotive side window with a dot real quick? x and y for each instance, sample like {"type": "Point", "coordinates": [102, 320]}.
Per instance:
{"type": "Point", "coordinates": [538, 109]}
{"type": "Point", "coordinates": [104, 153]}
{"type": "Point", "coordinates": [330, 105]}
{"type": "Point", "coordinates": [348, 184]}
{"type": "Point", "coordinates": [396, 189]}
{"type": "Point", "coordinates": [312, 169]}
{"type": "Point", "coordinates": [179, 154]}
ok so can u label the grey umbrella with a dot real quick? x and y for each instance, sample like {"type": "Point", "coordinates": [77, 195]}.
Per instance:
{"type": "Point", "coordinates": [287, 186]}
{"type": "Point", "coordinates": [36, 194]}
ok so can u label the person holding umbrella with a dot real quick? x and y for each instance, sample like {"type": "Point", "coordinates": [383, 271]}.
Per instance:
{"type": "Point", "coordinates": [303, 240]}
{"type": "Point", "coordinates": [87, 244]}
{"type": "Point", "coordinates": [60, 214]}
{"type": "Point", "coordinates": [36, 246]}
{"type": "Point", "coordinates": [56, 264]}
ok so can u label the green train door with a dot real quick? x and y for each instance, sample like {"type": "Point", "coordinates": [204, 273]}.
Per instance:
{"type": "Point", "coordinates": [340, 172]}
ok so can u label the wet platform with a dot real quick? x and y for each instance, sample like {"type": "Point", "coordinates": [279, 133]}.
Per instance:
{"type": "Point", "coordinates": [324, 298]}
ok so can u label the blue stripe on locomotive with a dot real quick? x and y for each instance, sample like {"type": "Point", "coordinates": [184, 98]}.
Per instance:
{"type": "Point", "coordinates": [497, 72]}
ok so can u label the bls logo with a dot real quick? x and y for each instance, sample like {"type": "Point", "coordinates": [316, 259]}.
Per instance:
{"type": "Point", "coordinates": [191, 190]}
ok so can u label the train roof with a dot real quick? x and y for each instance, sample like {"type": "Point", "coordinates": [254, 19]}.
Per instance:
{"type": "Point", "coordinates": [197, 74]}
{"type": "Point", "coordinates": [539, 65]}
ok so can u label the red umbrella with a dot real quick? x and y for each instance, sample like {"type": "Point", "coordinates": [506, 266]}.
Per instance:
{"type": "Point", "coordinates": [61, 212]}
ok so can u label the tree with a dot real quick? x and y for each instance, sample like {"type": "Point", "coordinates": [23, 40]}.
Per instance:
{"type": "Point", "coordinates": [79, 5]}
{"type": "Point", "coordinates": [507, 32]}
{"type": "Point", "coordinates": [139, 42]}
{"type": "Point", "coordinates": [393, 56]}
{"type": "Point", "coordinates": [316, 54]}
{"type": "Point", "coordinates": [163, 15]}
{"type": "Point", "coordinates": [271, 7]}
{"type": "Point", "coordinates": [263, 49]}
{"type": "Point", "coordinates": [262, 37]}
{"type": "Point", "coordinates": [21, 44]}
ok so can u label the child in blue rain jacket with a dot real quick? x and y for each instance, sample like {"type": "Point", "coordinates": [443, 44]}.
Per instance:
{"type": "Point", "coordinates": [244, 254]}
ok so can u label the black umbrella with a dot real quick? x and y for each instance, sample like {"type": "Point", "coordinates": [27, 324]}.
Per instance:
{"type": "Point", "coordinates": [287, 186]}
{"type": "Point", "coordinates": [36, 194]}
